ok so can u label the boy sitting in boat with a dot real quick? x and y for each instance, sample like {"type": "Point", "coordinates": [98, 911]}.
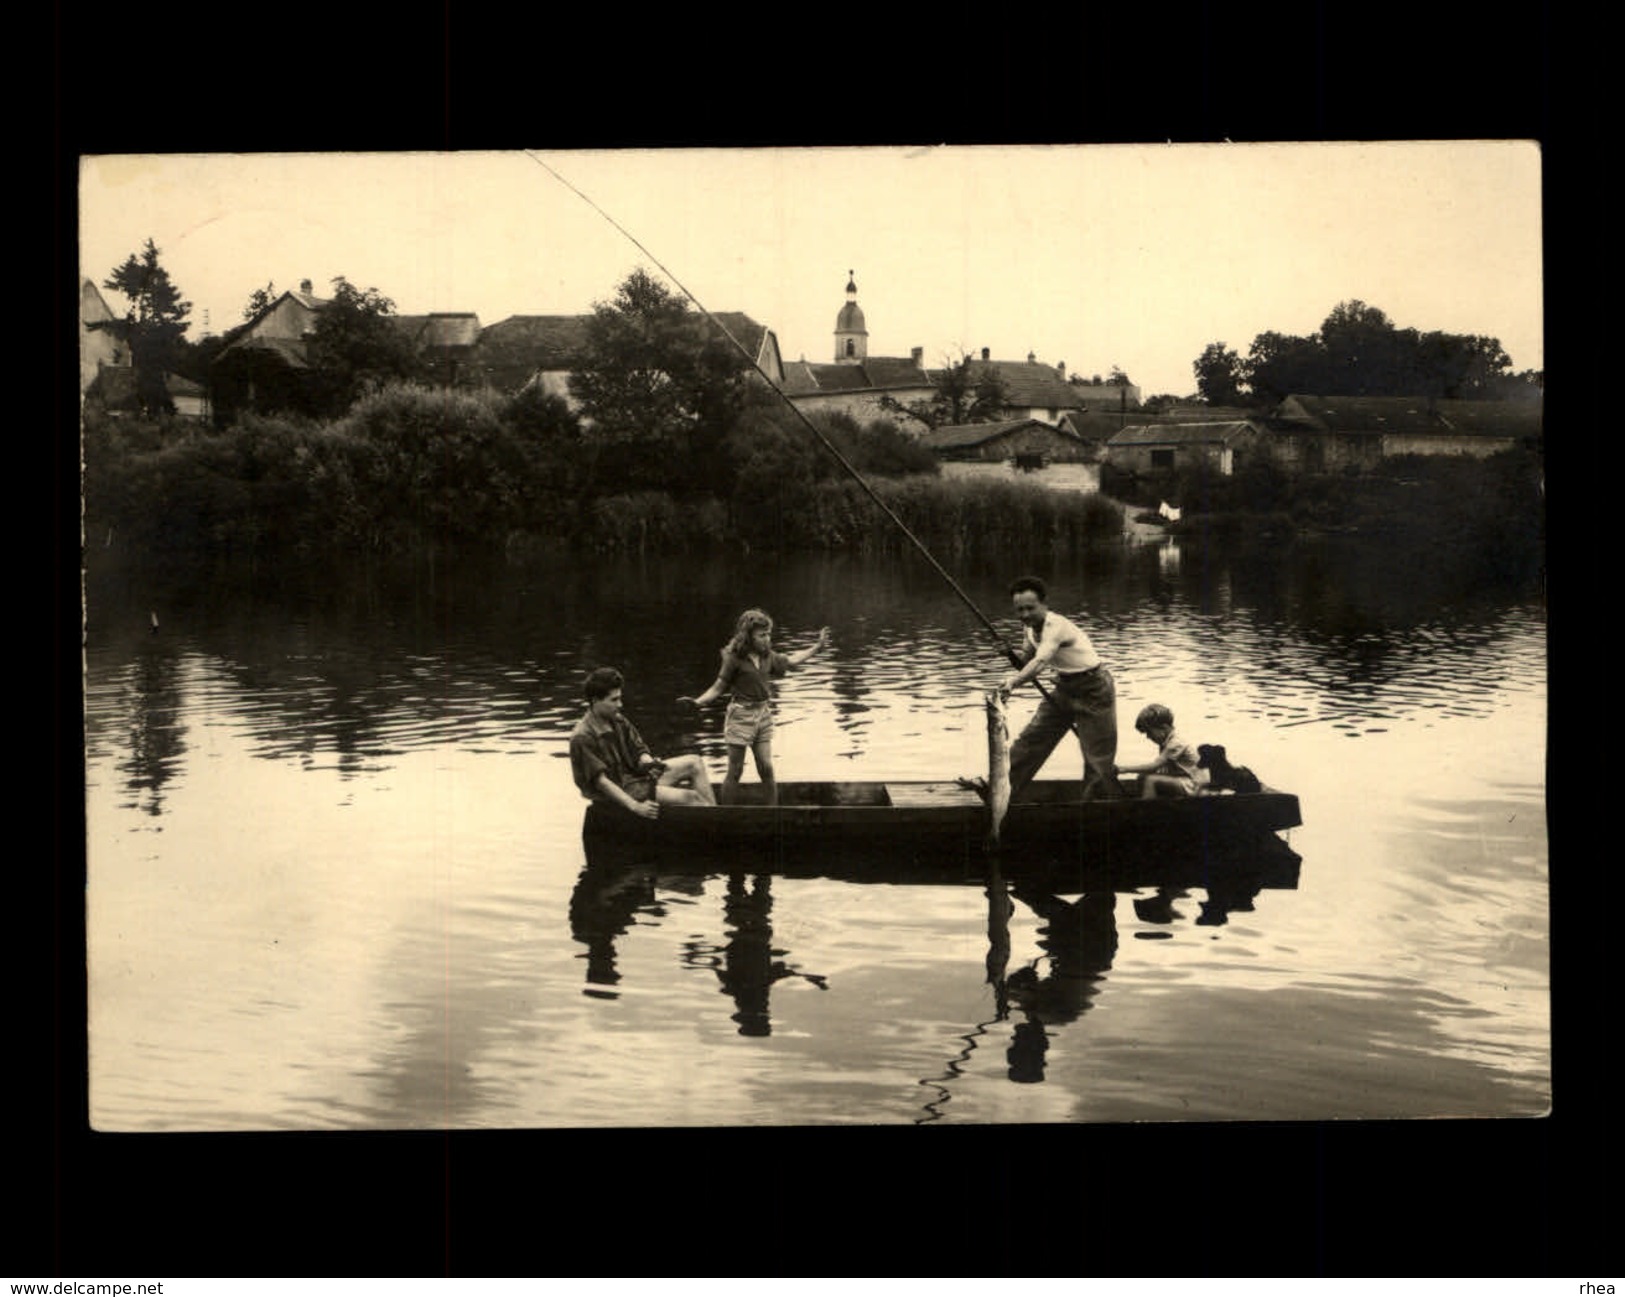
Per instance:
{"type": "Point", "coordinates": [1177, 771]}
{"type": "Point", "coordinates": [611, 762]}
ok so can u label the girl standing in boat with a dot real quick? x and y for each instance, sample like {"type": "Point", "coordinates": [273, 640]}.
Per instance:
{"type": "Point", "coordinates": [748, 664]}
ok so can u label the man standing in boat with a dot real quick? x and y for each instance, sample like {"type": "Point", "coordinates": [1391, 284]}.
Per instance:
{"type": "Point", "coordinates": [1082, 695]}
{"type": "Point", "coordinates": [611, 762]}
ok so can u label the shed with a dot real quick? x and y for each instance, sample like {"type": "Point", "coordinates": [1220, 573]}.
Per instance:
{"type": "Point", "coordinates": [1149, 449]}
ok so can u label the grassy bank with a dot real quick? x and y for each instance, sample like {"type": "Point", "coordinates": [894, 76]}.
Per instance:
{"type": "Point", "coordinates": [413, 471]}
{"type": "Point", "coordinates": [1491, 510]}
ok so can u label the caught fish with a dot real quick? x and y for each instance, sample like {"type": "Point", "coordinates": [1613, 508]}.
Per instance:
{"type": "Point", "coordinates": [998, 764]}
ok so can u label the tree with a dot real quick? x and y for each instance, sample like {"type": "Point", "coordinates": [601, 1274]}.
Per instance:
{"type": "Point", "coordinates": [1218, 375]}
{"type": "Point", "coordinates": [1279, 364]}
{"type": "Point", "coordinates": [356, 348]}
{"type": "Point", "coordinates": [154, 327]}
{"type": "Point", "coordinates": [965, 391]}
{"type": "Point", "coordinates": [659, 386]}
{"type": "Point", "coordinates": [259, 299]}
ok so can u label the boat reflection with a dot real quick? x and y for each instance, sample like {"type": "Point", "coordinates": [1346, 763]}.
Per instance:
{"type": "Point", "coordinates": [1077, 941]}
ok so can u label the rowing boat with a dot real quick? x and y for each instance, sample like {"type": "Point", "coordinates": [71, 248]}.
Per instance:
{"type": "Point", "coordinates": [931, 816]}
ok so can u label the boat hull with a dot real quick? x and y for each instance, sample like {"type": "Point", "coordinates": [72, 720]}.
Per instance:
{"type": "Point", "coordinates": [929, 830]}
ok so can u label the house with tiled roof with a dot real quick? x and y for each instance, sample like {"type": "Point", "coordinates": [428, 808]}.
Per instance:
{"type": "Point", "coordinates": [543, 350]}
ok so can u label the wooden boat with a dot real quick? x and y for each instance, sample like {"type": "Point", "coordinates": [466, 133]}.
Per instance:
{"type": "Point", "coordinates": [942, 821]}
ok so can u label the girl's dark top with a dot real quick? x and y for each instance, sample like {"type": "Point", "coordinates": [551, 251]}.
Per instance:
{"type": "Point", "coordinates": [747, 680]}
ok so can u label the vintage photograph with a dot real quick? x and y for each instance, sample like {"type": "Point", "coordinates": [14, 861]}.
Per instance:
{"type": "Point", "coordinates": [951, 635]}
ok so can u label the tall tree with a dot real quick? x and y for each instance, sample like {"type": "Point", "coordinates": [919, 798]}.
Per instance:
{"type": "Point", "coordinates": [1218, 375]}
{"type": "Point", "coordinates": [356, 347]}
{"type": "Point", "coordinates": [154, 326]}
{"type": "Point", "coordinates": [1279, 364]}
{"type": "Point", "coordinates": [658, 386]}
{"type": "Point", "coordinates": [964, 391]}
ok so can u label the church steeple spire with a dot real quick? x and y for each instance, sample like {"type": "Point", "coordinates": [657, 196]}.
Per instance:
{"type": "Point", "coordinates": [851, 338]}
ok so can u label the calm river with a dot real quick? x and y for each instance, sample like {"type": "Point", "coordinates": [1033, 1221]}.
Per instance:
{"type": "Point", "coordinates": [336, 877]}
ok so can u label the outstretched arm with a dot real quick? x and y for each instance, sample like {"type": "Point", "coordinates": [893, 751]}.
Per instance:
{"type": "Point", "coordinates": [716, 691]}
{"type": "Point", "coordinates": [796, 659]}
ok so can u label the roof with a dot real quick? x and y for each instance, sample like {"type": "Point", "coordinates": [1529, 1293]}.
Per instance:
{"type": "Point", "coordinates": [115, 386]}
{"type": "Point", "coordinates": [850, 320]}
{"type": "Point", "coordinates": [869, 374]}
{"type": "Point", "coordinates": [1184, 434]}
{"type": "Point", "coordinates": [1493, 418]}
{"type": "Point", "coordinates": [1205, 414]}
{"type": "Point", "coordinates": [290, 350]}
{"type": "Point", "coordinates": [958, 436]}
{"type": "Point", "coordinates": [1031, 384]}
{"type": "Point", "coordinates": [512, 350]}
{"type": "Point", "coordinates": [1411, 415]}
{"type": "Point", "coordinates": [440, 329]}
{"type": "Point", "coordinates": [745, 330]}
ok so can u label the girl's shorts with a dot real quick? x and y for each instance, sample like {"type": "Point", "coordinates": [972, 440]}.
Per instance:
{"type": "Point", "coordinates": [747, 723]}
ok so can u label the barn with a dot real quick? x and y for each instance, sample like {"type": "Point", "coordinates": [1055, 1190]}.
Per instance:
{"type": "Point", "coordinates": [1326, 433]}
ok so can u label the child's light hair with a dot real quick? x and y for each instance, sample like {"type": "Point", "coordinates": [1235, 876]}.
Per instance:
{"type": "Point", "coordinates": [1153, 714]}
{"type": "Point", "coordinates": [750, 621]}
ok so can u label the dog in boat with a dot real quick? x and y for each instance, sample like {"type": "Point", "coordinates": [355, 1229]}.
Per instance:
{"type": "Point", "coordinates": [1222, 776]}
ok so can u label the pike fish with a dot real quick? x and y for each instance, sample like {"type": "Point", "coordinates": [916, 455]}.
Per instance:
{"type": "Point", "coordinates": [998, 764]}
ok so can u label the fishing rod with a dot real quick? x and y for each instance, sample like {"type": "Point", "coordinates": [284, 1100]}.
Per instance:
{"type": "Point", "coordinates": [813, 428]}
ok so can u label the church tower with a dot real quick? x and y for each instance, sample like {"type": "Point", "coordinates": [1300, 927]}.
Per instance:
{"type": "Point", "coordinates": [851, 338]}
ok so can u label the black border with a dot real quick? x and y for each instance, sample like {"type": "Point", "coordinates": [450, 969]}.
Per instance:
{"type": "Point", "coordinates": [1369, 1198]}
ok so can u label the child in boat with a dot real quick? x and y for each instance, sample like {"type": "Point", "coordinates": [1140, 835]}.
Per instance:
{"type": "Point", "coordinates": [610, 761]}
{"type": "Point", "coordinates": [1176, 772]}
{"type": "Point", "coordinates": [748, 663]}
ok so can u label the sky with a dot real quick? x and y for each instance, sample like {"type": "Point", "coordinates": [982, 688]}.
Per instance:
{"type": "Point", "coordinates": [1135, 256]}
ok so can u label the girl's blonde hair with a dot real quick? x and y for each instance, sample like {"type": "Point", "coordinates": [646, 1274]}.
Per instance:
{"type": "Point", "coordinates": [750, 621]}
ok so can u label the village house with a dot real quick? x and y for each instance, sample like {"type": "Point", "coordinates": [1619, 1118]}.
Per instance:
{"type": "Point", "coordinates": [542, 351]}
{"type": "Point", "coordinates": [265, 361]}
{"type": "Point", "coordinates": [1027, 442]}
{"type": "Point", "coordinates": [106, 374]}
{"type": "Point", "coordinates": [97, 347]}
{"type": "Point", "coordinates": [1328, 433]}
{"type": "Point", "coordinates": [866, 387]}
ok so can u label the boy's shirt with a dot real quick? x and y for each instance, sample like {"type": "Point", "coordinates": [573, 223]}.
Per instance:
{"type": "Point", "coordinates": [610, 748]}
{"type": "Point", "coordinates": [1181, 758]}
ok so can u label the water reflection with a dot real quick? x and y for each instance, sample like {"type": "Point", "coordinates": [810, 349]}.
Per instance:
{"type": "Point", "coordinates": [156, 729]}
{"type": "Point", "coordinates": [748, 965]}
{"type": "Point", "coordinates": [606, 898]}
{"type": "Point", "coordinates": [1078, 942]}
{"type": "Point", "coordinates": [614, 889]}
{"type": "Point", "coordinates": [370, 845]}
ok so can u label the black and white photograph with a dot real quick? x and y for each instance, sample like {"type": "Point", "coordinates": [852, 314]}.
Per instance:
{"type": "Point", "coordinates": [830, 637]}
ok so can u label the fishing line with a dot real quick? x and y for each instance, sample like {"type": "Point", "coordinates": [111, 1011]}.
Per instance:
{"type": "Point", "coordinates": [841, 459]}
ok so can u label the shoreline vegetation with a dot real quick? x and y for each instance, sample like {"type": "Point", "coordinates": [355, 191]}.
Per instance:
{"type": "Point", "coordinates": [418, 471]}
